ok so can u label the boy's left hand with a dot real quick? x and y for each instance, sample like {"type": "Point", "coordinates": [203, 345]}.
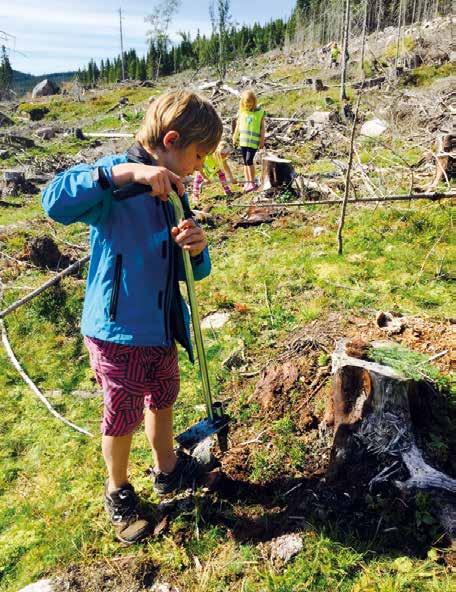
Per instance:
{"type": "Point", "coordinates": [190, 237]}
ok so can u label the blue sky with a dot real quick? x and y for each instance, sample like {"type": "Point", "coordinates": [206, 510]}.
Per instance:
{"type": "Point", "coordinates": [59, 35]}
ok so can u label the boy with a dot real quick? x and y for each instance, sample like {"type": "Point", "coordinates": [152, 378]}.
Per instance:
{"type": "Point", "coordinates": [133, 310]}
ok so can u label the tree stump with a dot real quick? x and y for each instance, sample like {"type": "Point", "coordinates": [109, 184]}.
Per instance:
{"type": "Point", "coordinates": [276, 172]}
{"type": "Point", "coordinates": [373, 412]}
{"type": "Point", "coordinates": [13, 177]}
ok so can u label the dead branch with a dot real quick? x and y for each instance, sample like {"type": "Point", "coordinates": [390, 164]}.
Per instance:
{"type": "Point", "coordinates": [48, 284]}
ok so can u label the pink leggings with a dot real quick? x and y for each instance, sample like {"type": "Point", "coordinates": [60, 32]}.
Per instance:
{"type": "Point", "coordinates": [199, 181]}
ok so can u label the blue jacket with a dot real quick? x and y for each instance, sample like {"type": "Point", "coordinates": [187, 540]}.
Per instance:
{"type": "Point", "coordinates": [132, 293]}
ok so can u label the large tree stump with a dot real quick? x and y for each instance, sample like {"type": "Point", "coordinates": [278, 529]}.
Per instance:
{"type": "Point", "coordinates": [276, 172]}
{"type": "Point", "coordinates": [372, 411]}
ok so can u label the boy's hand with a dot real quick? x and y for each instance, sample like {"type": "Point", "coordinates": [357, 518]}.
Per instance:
{"type": "Point", "coordinates": [159, 178]}
{"type": "Point", "coordinates": [190, 237]}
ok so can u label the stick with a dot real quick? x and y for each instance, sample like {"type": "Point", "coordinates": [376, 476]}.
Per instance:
{"type": "Point", "coordinates": [54, 280]}
{"type": "Point", "coordinates": [347, 180]}
{"type": "Point", "coordinates": [361, 200]}
{"type": "Point", "coordinates": [30, 383]}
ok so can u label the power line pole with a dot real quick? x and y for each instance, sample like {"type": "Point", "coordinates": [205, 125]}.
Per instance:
{"type": "Point", "coordinates": [121, 45]}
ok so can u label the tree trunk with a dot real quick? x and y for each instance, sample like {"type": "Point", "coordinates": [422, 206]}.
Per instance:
{"type": "Point", "coordinates": [373, 410]}
{"type": "Point", "coordinates": [345, 56]}
{"type": "Point", "coordinates": [276, 172]}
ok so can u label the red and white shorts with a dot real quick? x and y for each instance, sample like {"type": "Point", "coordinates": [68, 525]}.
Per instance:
{"type": "Point", "coordinates": [132, 377]}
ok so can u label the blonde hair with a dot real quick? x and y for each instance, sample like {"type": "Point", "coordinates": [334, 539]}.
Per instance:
{"type": "Point", "coordinates": [193, 117]}
{"type": "Point", "coordinates": [248, 100]}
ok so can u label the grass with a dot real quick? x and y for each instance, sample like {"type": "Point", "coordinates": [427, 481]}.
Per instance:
{"type": "Point", "coordinates": [273, 279]}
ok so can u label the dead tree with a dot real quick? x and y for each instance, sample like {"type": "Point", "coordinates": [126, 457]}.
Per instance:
{"type": "Point", "coordinates": [277, 172]}
{"type": "Point", "coordinates": [374, 410]}
{"type": "Point", "coordinates": [345, 56]}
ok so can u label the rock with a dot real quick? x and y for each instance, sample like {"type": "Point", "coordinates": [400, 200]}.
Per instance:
{"type": "Point", "coordinates": [163, 587]}
{"type": "Point", "coordinates": [45, 88]}
{"type": "Point", "coordinates": [5, 120]}
{"type": "Point", "coordinates": [319, 230]}
{"type": "Point", "coordinates": [235, 360]}
{"type": "Point", "coordinates": [45, 133]}
{"type": "Point", "coordinates": [391, 322]}
{"type": "Point", "coordinates": [40, 586]}
{"type": "Point", "coordinates": [322, 117]}
{"type": "Point", "coordinates": [373, 128]}
{"type": "Point", "coordinates": [285, 547]}
{"type": "Point", "coordinates": [215, 321]}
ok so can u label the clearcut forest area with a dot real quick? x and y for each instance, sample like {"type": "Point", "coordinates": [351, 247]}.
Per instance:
{"type": "Point", "coordinates": [328, 323]}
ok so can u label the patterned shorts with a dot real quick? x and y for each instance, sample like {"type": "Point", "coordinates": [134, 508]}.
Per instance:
{"type": "Point", "coordinates": [132, 378]}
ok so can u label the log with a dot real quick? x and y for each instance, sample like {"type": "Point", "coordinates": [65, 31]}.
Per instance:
{"type": "Point", "coordinates": [276, 172]}
{"type": "Point", "coordinates": [373, 409]}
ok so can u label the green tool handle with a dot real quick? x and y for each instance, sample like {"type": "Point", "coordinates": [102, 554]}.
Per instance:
{"type": "Point", "coordinates": [190, 281]}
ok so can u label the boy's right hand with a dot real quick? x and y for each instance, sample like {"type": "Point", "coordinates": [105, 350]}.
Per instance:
{"type": "Point", "coordinates": [159, 178]}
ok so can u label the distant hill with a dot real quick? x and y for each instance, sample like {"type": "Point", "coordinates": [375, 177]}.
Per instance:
{"type": "Point", "coordinates": [23, 83]}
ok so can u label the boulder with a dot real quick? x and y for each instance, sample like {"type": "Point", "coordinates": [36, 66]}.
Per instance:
{"type": "Point", "coordinates": [45, 88]}
{"type": "Point", "coordinates": [322, 117]}
{"type": "Point", "coordinates": [373, 128]}
{"type": "Point", "coordinates": [45, 133]}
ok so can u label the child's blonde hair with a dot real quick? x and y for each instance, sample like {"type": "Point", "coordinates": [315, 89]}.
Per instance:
{"type": "Point", "coordinates": [193, 117]}
{"type": "Point", "coordinates": [248, 100]}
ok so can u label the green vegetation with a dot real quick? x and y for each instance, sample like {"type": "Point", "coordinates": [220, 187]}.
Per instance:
{"type": "Point", "coordinates": [274, 280]}
{"type": "Point", "coordinates": [411, 365]}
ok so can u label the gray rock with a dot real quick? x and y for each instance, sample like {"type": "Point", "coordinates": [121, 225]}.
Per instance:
{"type": "Point", "coordinates": [373, 128]}
{"type": "Point", "coordinates": [322, 117]}
{"type": "Point", "coordinates": [40, 586]}
{"type": "Point", "coordinates": [45, 88]}
{"type": "Point", "coordinates": [45, 133]}
{"type": "Point", "coordinates": [284, 548]}
{"type": "Point", "coordinates": [215, 320]}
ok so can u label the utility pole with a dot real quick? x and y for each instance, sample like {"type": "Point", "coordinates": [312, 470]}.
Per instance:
{"type": "Point", "coordinates": [121, 45]}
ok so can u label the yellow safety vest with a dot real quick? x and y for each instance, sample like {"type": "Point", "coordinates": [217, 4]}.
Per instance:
{"type": "Point", "coordinates": [250, 128]}
{"type": "Point", "coordinates": [212, 165]}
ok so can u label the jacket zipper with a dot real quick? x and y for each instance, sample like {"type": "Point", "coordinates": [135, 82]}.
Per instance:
{"type": "Point", "coordinates": [169, 273]}
{"type": "Point", "coordinates": [115, 288]}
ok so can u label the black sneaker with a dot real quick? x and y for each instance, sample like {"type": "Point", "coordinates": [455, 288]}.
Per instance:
{"type": "Point", "coordinates": [124, 510]}
{"type": "Point", "coordinates": [187, 473]}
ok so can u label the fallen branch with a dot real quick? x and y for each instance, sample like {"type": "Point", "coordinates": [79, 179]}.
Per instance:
{"type": "Point", "coordinates": [48, 284]}
{"type": "Point", "coordinates": [361, 200]}
{"type": "Point", "coordinates": [30, 383]}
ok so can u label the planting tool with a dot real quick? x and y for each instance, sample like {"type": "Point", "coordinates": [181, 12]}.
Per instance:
{"type": "Point", "coordinates": [216, 421]}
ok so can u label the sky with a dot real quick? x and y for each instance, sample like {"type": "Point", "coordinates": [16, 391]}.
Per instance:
{"type": "Point", "coordinates": [57, 35]}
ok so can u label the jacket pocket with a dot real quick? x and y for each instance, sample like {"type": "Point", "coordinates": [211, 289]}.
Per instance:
{"type": "Point", "coordinates": [115, 288]}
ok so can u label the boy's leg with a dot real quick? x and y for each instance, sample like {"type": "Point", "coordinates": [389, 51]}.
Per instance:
{"type": "Point", "coordinates": [116, 450]}
{"type": "Point", "coordinates": [159, 431]}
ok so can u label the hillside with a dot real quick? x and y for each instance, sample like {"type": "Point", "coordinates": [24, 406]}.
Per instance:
{"type": "Point", "coordinates": [287, 297]}
{"type": "Point", "coordinates": [23, 83]}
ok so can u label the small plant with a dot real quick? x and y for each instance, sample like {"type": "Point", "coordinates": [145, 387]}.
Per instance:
{"type": "Point", "coordinates": [411, 364]}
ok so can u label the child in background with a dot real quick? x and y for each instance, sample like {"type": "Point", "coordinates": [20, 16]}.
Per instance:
{"type": "Point", "coordinates": [133, 311]}
{"type": "Point", "coordinates": [215, 164]}
{"type": "Point", "coordinates": [250, 132]}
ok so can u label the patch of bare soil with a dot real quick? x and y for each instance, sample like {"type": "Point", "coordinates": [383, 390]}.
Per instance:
{"type": "Point", "coordinates": [130, 573]}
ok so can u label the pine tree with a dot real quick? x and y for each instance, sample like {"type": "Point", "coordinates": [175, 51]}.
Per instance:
{"type": "Point", "coordinates": [6, 72]}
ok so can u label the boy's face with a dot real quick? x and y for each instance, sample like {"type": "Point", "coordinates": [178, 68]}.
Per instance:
{"type": "Point", "coordinates": [184, 161]}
